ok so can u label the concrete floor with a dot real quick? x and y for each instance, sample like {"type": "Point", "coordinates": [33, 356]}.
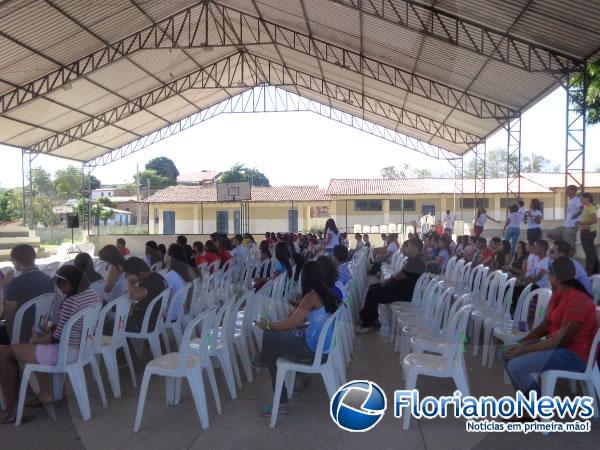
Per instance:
{"type": "Point", "coordinates": [241, 427]}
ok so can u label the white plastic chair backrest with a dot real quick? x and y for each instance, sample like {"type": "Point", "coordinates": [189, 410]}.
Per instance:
{"type": "Point", "coordinates": [89, 318]}
{"type": "Point", "coordinates": [595, 280]}
{"type": "Point", "coordinates": [521, 300]}
{"type": "Point", "coordinates": [214, 266]}
{"type": "Point", "coordinates": [121, 308]}
{"type": "Point", "coordinates": [457, 328]}
{"type": "Point", "coordinates": [163, 299]}
{"type": "Point", "coordinates": [458, 272]}
{"type": "Point", "coordinates": [225, 267]}
{"type": "Point", "coordinates": [157, 266]}
{"type": "Point", "coordinates": [507, 292]}
{"type": "Point", "coordinates": [468, 275]}
{"type": "Point", "coordinates": [202, 326]}
{"type": "Point", "coordinates": [441, 307]}
{"type": "Point", "coordinates": [448, 270]}
{"type": "Point", "coordinates": [224, 316]}
{"type": "Point", "coordinates": [329, 323]}
{"type": "Point", "coordinates": [178, 301]}
{"type": "Point", "coordinates": [433, 296]}
{"type": "Point", "coordinates": [196, 303]}
{"type": "Point", "coordinates": [593, 356]}
{"type": "Point", "coordinates": [481, 287]}
{"type": "Point", "coordinates": [541, 307]}
{"type": "Point", "coordinates": [541, 294]}
{"type": "Point", "coordinates": [43, 308]}
{"type": "Point", "coordinates": [456, 305]}
{"type": "Point", "coordinates": [420, 289]}
{"type": "Point", "coordinates": [495, 286]}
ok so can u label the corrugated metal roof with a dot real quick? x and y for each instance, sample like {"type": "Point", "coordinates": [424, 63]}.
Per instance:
{"type": "Point", "coordinates": [39, 38]}
{"type": "Point", "coordinates": [195, 194]}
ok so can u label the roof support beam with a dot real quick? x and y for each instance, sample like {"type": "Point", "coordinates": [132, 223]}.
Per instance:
{"type": "Point", "coordinates": [271, 99]}
{"type": "Point", "coordinates": [469, 35]}
{"type": "Point", "coordinates": [190, 28]}
{"type": "Point", "coordinates": [228, 72]}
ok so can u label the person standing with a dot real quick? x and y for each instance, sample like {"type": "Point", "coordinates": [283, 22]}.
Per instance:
{"type": "Point", "coordinates": [534, 221]}
{"type": "Point", "coordinates": [512, 227]}
{"type": "Point", "coordinates": [568, 232]}
{"type": "Point", "coordinates": [332, 236]}
{"type": "Point", "coordinates": [448, 224]}
{"type": "Point", "coordinates": [588, 227]}
{"type": "Point", "coordinates": [480, 220]}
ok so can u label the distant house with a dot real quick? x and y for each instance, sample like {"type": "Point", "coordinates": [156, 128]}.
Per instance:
{"type": "Point", "coordinates": [110, 192]}
{"type": "Point", "coordinates": [202, 178]}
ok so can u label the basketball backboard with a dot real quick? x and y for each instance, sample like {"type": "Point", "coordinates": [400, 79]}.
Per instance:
{"type": "Point", "coordinates": [233, 192]}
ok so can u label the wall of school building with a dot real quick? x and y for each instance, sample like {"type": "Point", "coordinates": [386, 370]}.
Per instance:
{"type": "Point", "coordinates": [201, 218]}
{"type": "Point", "coordinates": [205, 218]}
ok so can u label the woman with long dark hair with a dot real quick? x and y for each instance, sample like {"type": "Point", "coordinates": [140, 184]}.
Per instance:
{"type": "Point", "coordinates": [332, 236]}
{"type": "Point", "coordinates": [84, 262]}
{"type": "Point", "coordinates": [316, 305]}
{"type": "Point", "coordinates": [588, 227]}
{"type": "Point", "coordinates": [44, 347]}
{"type": "Point", "coordinates": [563, 340]}
{"type": "Point", "coordinates": [283, 257]}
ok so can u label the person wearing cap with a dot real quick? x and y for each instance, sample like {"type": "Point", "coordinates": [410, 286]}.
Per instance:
{"type": "Point", "coordinates": [143, 286]}
{"type": "Point", "coordinates": [563, 340]}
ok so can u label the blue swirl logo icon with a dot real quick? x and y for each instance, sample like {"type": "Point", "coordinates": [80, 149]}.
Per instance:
{"type": "Point", "coordinates": [358, 406]}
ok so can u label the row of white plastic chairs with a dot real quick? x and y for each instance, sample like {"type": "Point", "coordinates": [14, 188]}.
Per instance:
{"type": "Point", "coordinates": [231, 326]}
{"type": "Point", "coordinates": [484, 300]}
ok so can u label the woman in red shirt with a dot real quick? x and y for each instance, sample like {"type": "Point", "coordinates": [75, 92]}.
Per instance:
{"type": "Point", "coordinates": [569, 328]}
{"type": "Point", "coordinates": [211, 253]}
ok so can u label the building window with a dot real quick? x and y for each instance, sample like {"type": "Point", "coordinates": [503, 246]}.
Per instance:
{"type": "Point", "coordinates": [368, 205]}
{"type": "Point", "coordinates": [470, 203]}
{"type": "Point", "coordinates": [409, 205]}
{"type": "Point", "coordinates": [506, 202]}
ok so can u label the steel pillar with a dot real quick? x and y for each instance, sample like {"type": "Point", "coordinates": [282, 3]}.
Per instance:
{"type": "Point", "coordinates": [459, 183]}
{"type": "Point", "coordinates": [479, 152]}
{"type": "Point", "coordinates": [576, 127]}
{"type": "Point", "coordinates": [513, 157]}
{"type": "Point", "coordinates": [27, 159]}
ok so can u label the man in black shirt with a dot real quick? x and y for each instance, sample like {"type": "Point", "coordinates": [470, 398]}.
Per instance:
{"type": "Point", "coordinates": [399, 287]}
{"type": "Point", "coordinates": [31, 283]}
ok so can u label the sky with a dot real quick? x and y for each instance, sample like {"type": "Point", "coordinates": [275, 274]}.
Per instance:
{"type": "Point", "coordinates": [304, 148]}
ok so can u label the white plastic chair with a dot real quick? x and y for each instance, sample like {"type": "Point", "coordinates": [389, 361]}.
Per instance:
{"type": "Point", "coordinates": [188, 363]}
{"type": "Point", "coordinates": [219, 346]}
{"type": "Point", "coordinates": [286, 370]}
{"type": "Point", "coordinates": [85, 355]}
{"type": "Point", "coordinates": [157, 266]}
{"type": "Point", "coordinates": [176, 308]}
{"type": "Point", "coordinates": [241, 333]}
{"type": "Point", "coordinates": [590, 377]}
{"type": "Point", "coordinates": [98, 288]}
{"type": "Point", "coordinates": [448, 365]}
{"type": "Point", "coordinates": [153, 337]}
{"type": "Point", "coordinates": [595, 280]}
{"type": "Point", "coordinates": [43, 305]}
{"type": "Point", "coordinates": [107, 346]}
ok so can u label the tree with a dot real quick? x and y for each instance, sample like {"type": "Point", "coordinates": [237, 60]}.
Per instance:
{"type": "Point", "coordinates": [41, 182]}
{"type": "Point", "coordinates": [153, 179]}
{"type": "Point", "coordinates": [11, 204]}
{"type": "Point", "coordinates": [42, 210]}
{"type": "Point", "coordinates": [535, 164]}
{"type": "Point", "coordinates": [593, 94]}
{"type": "Point", "coordinates": [404, 171]}
{"type": "Point", "coordinates": [495, 164]}
{"type": "Point", "coordinates": [164, 167]}
{"type": "Point", "coordinates": [240, 172]}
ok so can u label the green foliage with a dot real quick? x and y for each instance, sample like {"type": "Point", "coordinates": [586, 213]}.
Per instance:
{"type": "Point", "coordinates": [11, 204]}
{"type": "Point", "coordinates": [42, 210]}
{"type": "Point", "coordinates": [41, 182]}
{"type": "Point", "coordinates": [404, 171]}
{"type": "Point", "coordinates": [153, 179]}
{"type": "Point", "coordinates": [593, 94]}
{"type": "Point", "coordinates": [239, 172]}
{"type": "Point", "coordinates": [164, 167]}
{"type": "Point", "coordinates": [68, 182]}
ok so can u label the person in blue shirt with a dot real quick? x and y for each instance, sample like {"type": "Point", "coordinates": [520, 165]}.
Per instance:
{"type": "Point", "coordinates": [340, 259]}
{"type": "Point", "coordinates": [316, 306]}
{"type": "Point", "coordinates": [30, 283]}
{"type": "Point", "coordinates": [331, 276]}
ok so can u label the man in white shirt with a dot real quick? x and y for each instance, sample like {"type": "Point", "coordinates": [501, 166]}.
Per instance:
{"type": "Point", "coordinates": [448, 224]}
{"type": "Point", "coordinates": [423, 224]}
{"type": "Point", "coordinates": [568, 231]}
{"type": "Point", "coordinates": [522, 210]}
